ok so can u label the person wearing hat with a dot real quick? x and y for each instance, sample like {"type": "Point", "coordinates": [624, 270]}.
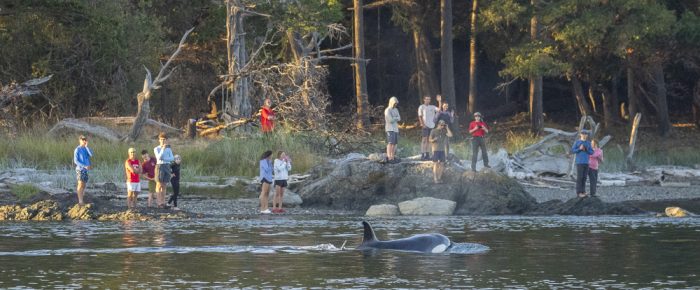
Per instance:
{"type": "Point", "coordinates": [438, 138]}
{"type": "Point", "coordinates": [582, 149]}
{"type": "Point", "coordinates": [132, 166]}
{"type": "Point", "coordinates": [478, 129]}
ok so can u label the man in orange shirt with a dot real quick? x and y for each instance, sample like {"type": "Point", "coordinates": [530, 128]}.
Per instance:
{"type": "Point", "coordinates": [267, 117]}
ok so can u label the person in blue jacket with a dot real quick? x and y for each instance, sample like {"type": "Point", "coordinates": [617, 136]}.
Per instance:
{"type": "Point", "coordinates": [582, 149]}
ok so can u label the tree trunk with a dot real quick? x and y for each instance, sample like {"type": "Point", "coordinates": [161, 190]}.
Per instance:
{"type": "Point", "coordinates": [447, 76]}
{"type": "Point", "coordinates": [144, 109]}
{"type": "Point", "coordinates": [583, 107]}
{"type": "Point", "coordinates": [591, 99]}
{"type": "Point", "coordinates": [661, 100]}
{"type": "Point", "coordinates": [424, 75]}
{"type": "Point", "coordinates": [696, 103]}
{"type": "Point", "coordinates": [608, 108]}
{"type": "Point", "coordinates": [632, 107]}
{"type": "Point", "coordinates": [360, 67]}
{"type": "Point", "coordinates": [471, 105]}
{"type": "Point", "coordinates": [536, 119]}
{"type": "Point", "coordinates": [615, 99]}
{"type": "Point", "coordinates": [238, 105]}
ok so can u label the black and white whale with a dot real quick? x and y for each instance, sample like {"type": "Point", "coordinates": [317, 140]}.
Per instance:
{"type": "Point", "coordinates": [425, 243]}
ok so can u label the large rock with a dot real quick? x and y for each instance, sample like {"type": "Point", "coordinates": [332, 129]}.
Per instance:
{"type": "Point", "coordinates": [44, 210]}
{"type": "Point", "coordinates": [356, 184]}
{"type": "Point", "coordinates": [584, 207]}
{"type": "Point", "coordinates": [82, 212]}
{"type": "Point", "coordinates": [427, 206]}
{"type": "Point", "coordinates": [383, 210]}
{"type": "Point", "coordinates": [674, 211]}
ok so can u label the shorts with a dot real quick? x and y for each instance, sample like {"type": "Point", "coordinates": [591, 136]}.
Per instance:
{"type": "Point", "coordinates": [281, 183]}
{"type": "Point", "coordinates": [263, 180]}
{"type": "Point", "coordinates": [133, 186]}
{"type": "Point", "coordinates": [151, 186]}
{"type": "Point", "coordinates": [163, 173]}
{"type": "Point", "coordinates": [82, 175]}
{"type": "Point", "coordinates": [438, 156]}
{"type": "Point", "coordinates": [392, 137]}
{"type": "Point", "coordinates": [425, 132]}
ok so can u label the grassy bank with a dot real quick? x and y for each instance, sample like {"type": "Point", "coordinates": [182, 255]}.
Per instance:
{"type": "Point", "coordinates": [231, 156]}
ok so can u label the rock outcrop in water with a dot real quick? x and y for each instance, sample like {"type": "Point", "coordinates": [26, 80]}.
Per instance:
{"type": "Point", "coordinates": [356, 183]}
{"type": "Point", "coordinates": [584, 207]}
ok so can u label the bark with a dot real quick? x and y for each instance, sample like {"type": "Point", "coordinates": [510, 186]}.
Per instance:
{"type": "Point", "coordinates": [471, 107]}
{"type": "Point", "coordinates": [424, 76]}
{"type": "Point", "coordinates": [632, 107]}
{"type": "Point", "coordinates": [608, 108]}
{"type": "Point", "coordinates": [591, 99]}
{"type": "Point", "coordinates": [615, 99]}
{"type": "Point", "coordinates": [583, 107]}
{"type": "Point", "coordinates": [629, 159]}
{"type": "Point", "coordinates": [661, 99]}
{"type": "Point", "coordinates": [238, 105]}
{"type": "Point", "coordinates": [696, 104]}
{"type": "Point", "coordinates": [536, 118]}
{"type": "Point", "coordinates": [149, 85]}
{"type": "Point", "coordinates": [361, 95]}
{"type": "Point", "coordinates": [447, 83]}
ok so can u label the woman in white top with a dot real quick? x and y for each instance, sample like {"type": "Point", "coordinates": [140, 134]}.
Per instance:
{"type": "Point", "coordinates": [281, 167]}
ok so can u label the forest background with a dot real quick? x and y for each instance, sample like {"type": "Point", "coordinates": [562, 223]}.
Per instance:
{"type": "Point", "coordinates": [551, 61]}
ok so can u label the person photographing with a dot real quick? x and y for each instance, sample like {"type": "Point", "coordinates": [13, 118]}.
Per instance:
{"type": "Point", "coordinates": [478, 129]}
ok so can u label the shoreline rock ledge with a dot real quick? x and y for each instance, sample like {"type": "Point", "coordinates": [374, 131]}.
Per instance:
{"type": "Point", "coordinates": [355, 183]}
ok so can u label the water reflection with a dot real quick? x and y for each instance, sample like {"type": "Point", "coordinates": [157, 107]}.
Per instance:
{"type": "Point", "coordinates": [303, 252]}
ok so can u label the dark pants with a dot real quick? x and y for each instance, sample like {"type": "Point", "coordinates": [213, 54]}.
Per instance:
{"type": "Point", "coordinates": [581, 174]}
{"type": "Point", "coordinates": [176, 191]}
{"type": "Point", "coordinates": [593, 175]}
{"type": "Point", "coordinates": [479, 142]}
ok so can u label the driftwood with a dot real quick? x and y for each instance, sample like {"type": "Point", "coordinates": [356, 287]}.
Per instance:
{"type": "Point", "coordinates": [82, 127]}
{"type": "Point", "coordinates": [633, 141]}
{"type": "Point", "coordinates": [128, 121]}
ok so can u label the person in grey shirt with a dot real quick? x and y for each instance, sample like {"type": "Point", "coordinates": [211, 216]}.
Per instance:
{"type": "Point", "coordinates": [391, 126]}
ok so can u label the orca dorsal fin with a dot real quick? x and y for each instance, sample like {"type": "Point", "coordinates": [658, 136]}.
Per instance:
{"type": "Point", "coordinates": [369, 233]}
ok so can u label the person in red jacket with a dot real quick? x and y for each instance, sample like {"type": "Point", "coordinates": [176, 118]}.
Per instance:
{"type": "Point", "coordinates": [267, 117]}
{"type": "Point", "coordinates": [479, 129]}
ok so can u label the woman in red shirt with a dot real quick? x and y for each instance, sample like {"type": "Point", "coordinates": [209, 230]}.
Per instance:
{"type": "Point", "coordinates": [267, 117]}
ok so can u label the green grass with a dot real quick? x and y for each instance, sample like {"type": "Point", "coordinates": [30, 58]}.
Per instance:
{"type": "Point", "coordinates": [24, 191]}
{"type": "Point", "coordinates": [237, 155]}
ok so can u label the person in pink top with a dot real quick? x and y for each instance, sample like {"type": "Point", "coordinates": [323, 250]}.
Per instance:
{"type": "Point", "coordinates": [593, 161]}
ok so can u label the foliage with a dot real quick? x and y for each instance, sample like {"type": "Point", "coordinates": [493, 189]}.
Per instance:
{"type": "Point", "coordinates": [24, 191]}
{"type": "Point", "coordinates": [533, 59]}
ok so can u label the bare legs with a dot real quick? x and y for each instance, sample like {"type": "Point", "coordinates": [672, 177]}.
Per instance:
{"type": "Point", "coordinates": [438, 169]}
{"type": "Point", "coordinates": [160, 193]}
{"type": "Point", "coordinates": [390, 151]}
{"type": "Point", "coordinates": [277, 200]}
{"type": "Point", "coordinates": [81, 192]}
{"type": "Point", "coordinates": [131, 198]}
{"type": "Point", "coordinates": [264, 194]}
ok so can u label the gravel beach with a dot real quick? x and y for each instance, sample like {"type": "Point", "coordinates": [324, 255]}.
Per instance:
{"type": "Point", "coordinates": [618, 193]}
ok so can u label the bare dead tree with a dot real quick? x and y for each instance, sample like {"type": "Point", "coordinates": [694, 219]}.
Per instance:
{"type": "Point", "coordinates": [11, 98]}
{"type": "Point", "coordinates": [149, 85]}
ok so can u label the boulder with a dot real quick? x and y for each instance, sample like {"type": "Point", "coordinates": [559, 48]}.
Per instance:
{"type": "Point", "coordinates": [674, 211]}
{"type": "Point", "coordinates": [128, 215]}
{"type": "Point", "coordinates": [356, 184]}
{"type": "Point", "coordinates": [84, 212]}
{"type": "Point", "coordinates": [584, 207]}
{"type": "Point", "coordinates": [383, 210]}
{"type": "Point", "coordinates": [44, 210]}
{"type": "Point", "coordinates": [427, 206]}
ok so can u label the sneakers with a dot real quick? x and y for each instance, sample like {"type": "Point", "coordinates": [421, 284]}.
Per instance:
{"type": "Point", "coordinates": [175, 208]}
{"type": "Point", "coordinates": [267, 211]}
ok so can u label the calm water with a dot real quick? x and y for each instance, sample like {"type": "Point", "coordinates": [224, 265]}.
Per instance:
{"type": "Point", "coordinates": [293, 252]}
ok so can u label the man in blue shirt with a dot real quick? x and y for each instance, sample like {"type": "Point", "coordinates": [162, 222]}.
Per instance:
{"type": "Point", "coordinates": [81, 159]}
{"type": "Point", "coordinates": [582, 148]}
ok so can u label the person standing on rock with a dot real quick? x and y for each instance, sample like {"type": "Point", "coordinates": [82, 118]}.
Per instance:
{"type": "Point", "coordinates": [133, 182]}
{"type": "Point", "coordinates": [148, 168]}
{"type": "Point", "coordinates": [282, 166]}
{"type": "Point", "coordinates": [582, 149]}
{"type": "Point", "coordinates": [448, 115]}
{"type": "Point", "coordinates": [164, 156]}
{"type": "Point", "coordinates": [81, 159]}
{"type": "Point", "coordinates": [175, 181]}
{"type": "Point", "coordinates": [438, 139]}
{"type": "Point", "coordinates": [265, 180]}
{"type": "Point", "coordinates": [426, 116]}
{"type": "Point", "coordinates": [593, 161]}
{"type": "Point", "coordinates": [391, 126]}
{"type": "Point", "coordinates": [478, 129]}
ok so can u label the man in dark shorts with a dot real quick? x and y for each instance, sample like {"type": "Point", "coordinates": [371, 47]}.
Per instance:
{"type": "Point", "coordinates": [391, 126]}
{"type": "Point", "coordinates": [438, 139]}
{"type": "Point", "coordinates": [426, 116]}
{"type": "Point", "coordinates": [148, 167]}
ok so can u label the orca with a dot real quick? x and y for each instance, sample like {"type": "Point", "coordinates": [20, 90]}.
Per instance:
{"type": "Point", "coordinates": [424, 243]}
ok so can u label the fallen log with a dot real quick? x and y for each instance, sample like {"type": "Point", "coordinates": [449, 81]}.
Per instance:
{"type": "Point", "coordinates": [75, 126]}
{"type": "Point", "coordinates": [128, 121]}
